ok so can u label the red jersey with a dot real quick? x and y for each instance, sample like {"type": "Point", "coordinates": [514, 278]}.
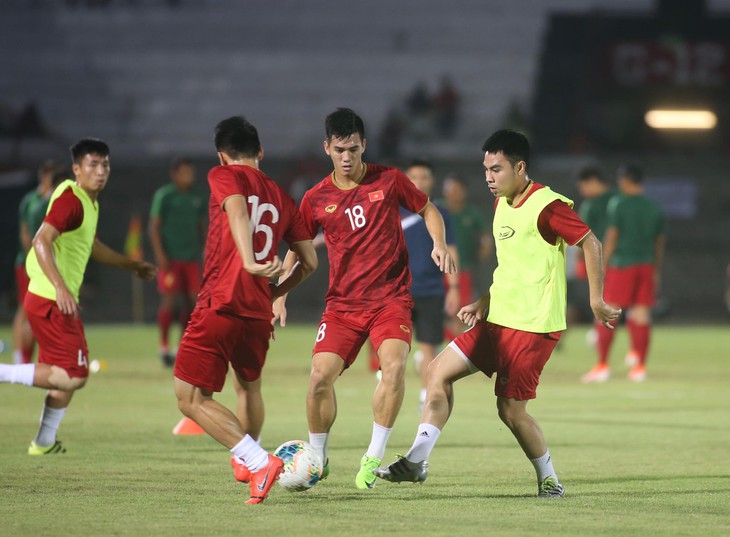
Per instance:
{"type": "Point", "coordinates": [367, 252]}
{"type": "Point", "coordinates": [227, 287]}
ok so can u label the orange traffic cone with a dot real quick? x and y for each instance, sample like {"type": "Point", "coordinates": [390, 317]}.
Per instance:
{"type": "Point", "coordinates": [187, 426]}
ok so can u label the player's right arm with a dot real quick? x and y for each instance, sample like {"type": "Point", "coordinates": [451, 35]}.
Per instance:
{"type": "Point", "coordinates": [239, 223]}
{"type": "Point", "coordinates": [305, 264]}
{"type": "Point", "coordinates": [476, 311]}
{"type": "Point", "coordinates": [43, 246]}
{"type": "Point", "coordinates": [155, 233]}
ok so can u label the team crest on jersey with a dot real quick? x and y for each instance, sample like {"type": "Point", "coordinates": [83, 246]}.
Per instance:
{"type": "Point", "coordinates": [405, 329]}
{"type": "Point", "coordinates": [505, 233]}
{"type": "Point", "coordinates": [376, 196]}
{"type": "Point", "coordinates": [331, 208]}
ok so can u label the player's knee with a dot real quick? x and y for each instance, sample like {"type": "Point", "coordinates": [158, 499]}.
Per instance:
{"type": "Point", "coordinates": [319, 381]}
{"type": "Point", "coordinates": [61, 380]}
{"type": "Point", "coordinates": [508, 414]}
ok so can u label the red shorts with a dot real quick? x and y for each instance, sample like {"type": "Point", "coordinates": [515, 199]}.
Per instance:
{"type": "Point", "coordinates": [344, 332]}
{"type": "Point", "coordinates": [516, 356]}
{"type": "Point", "coordinates": [212, 340]}
{"type": "Point", "coordinates": [61, 338]}
{"type": "Point", "coordinates": [182, 277]}
{"type": "Point", "coordinates": [629, 286]}
{"type": "Point", "coordinates": [21, 282]}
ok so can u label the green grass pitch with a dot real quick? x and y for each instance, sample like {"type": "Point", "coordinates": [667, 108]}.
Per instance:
{"type": "Point", "coordinates": [647, 459]}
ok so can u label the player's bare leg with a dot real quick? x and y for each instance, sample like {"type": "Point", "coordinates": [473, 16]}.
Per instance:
{"type": "Point", "coordinates": [223, 425]}
{"type": "Point", "coordinates": [528, 433]}
{"type": "Point", "coordinates": [250, 405]}
{"type": "Point", "coordinates": [447, 368]}
{"type": "Point", "coordinates": [428, 355]}
{"type": "Point", "coordinates": [321, 400]}
{"type": "Point", "coordinates": [387, 400]}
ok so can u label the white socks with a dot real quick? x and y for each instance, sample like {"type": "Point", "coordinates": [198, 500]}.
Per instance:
{"type": "Point", "coordinates": [17, 373]}
{"type": "Point", "coordinates": [253, 455]}
{"type": "Point", "coordinates": [378, 441]}
{"type": "Point", "coordinates": [424, 443]}
{"type": "Point", "coordinates": [544, 467]}
{"type": "Point", "coordinates": [50, 421]}
{"type": "Point", "coordinates": [319, 442]}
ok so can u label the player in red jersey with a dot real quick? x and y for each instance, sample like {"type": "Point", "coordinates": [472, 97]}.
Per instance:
{"type": "Point", "coordinates": [357, 207]}
{"type": "Point", "coordinates": [249, 215]}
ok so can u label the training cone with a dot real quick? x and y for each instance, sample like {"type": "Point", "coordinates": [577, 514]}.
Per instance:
{"type": "Point", "coordinates": [187, 426]}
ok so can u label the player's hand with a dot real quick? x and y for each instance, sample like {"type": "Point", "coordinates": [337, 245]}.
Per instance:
{"type": "Point", "coordinates": [270, 269]}
{"type": "Point", "coordinates": [66, 302]}
{"type": "Point", "coordinates": [279, 310]}
{"type": "Point", "coordinates": [605, 313]}
{"type": "Point", "coordinates": [451, 304]}
{"type": "Point", "coordinates": [144, 270]}
{"type": "Point", "coordinates": [443, 259]}
{"type": "Point", "coordinates": [472, 313]}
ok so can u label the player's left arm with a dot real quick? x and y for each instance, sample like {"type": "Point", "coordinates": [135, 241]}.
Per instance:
{"type": "Point", "coordinates": [437, 229]}
{"type": "Point", "coordinates": [104, 254]}
{"type": "Point", "coordinates": [592, 253]}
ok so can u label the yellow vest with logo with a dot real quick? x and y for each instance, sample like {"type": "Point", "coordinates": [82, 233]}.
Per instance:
{"type": "Point", "coordinates": [71, 249]}
{"type": "Point", "coordinates": [529, 285]}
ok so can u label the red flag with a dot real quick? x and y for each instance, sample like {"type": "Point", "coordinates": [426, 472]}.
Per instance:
{"type": "Point", "coordinates": [376, 196]}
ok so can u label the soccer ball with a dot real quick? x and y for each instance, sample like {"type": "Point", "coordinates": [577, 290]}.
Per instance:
{"type": "Point", "coordinates": [302, 465]}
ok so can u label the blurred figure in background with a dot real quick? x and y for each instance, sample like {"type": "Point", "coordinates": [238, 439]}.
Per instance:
{"type": "Point", "coordinates": [595, 192]}
{"type": "Point", "coordinates": [474, 241]}
{"type": "Point", "coordinates": [177, 232]}
{"type": "Point", "coordinates": [633, 253]}
{"type": "Point", "coordinates": [23, 340]}
{"type": "Point", "coordinates": [430, 300]}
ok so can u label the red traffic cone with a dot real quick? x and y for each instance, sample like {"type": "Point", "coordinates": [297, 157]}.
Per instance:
{"type": "Point", "coordinates": [188, 427]}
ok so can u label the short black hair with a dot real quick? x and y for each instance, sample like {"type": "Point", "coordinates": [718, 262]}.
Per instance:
{"type": "Point", "coordinates": [512, 144]}
{"type": "Point", "coordinates": [343, 123]}
{"type": "Point", "coordinates": [589, 172]}
{"type": "Point", "coordinates": [237, 138]}
{"type": "Point", "coordinates": [631, 172]}
{"type": "Point", "coordinates": [88, 146]}
{"type": "Point", "coordinates": [423, 163]}
{"type": "Point", "coordinates": [177, 162]}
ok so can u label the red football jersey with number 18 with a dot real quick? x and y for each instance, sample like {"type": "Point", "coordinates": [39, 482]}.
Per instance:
{"type": "Point", "coordinates": [273, 215]}
{"type": "Point", "coordinates": [367, 252]}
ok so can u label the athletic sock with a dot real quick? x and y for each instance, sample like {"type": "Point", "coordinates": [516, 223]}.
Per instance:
{"type": "Point", "coordinates": [544, 467]}
{"type": "Point", "coordinates": [50, 421]}
{"type": "Point", "coordinates": [603, 343]}
{"type": "Point", "coordinates": [424, 443]}
{"type": "Point", "coordinates": [252, 455]}
{"type": "Point", "coordinates": [164, 318]}
{"type": "Point", "coordinates": [640, 335]}
{"type": "Point", "coordinates": [378, 441]}
{"type": "Point", "coordinates": [17, 373]}
{"type": "Point", "coordinates": [319, 442]}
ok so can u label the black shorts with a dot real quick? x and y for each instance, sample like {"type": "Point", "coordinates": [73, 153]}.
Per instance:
{"type": "Point", "coordinates": [428, 319]}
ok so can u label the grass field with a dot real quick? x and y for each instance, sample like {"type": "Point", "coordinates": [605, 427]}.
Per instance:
{"type": "Point", "coordinates": [648, 459]}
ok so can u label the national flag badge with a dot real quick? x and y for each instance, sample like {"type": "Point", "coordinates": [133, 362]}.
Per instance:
{"type": "Point", "coordinates": [376, 196]}
{"type": "Point", "coordinates": [331, 208]}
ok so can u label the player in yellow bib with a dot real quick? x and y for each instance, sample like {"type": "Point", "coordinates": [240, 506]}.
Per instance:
{"type": "Point", "coordinates": [56, 265]}
{"type": "Point", "coordinates": [516, 325]}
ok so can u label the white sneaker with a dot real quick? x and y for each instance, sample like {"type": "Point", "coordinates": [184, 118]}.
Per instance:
{"type": "Point", "coordinates": [632, 358]}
